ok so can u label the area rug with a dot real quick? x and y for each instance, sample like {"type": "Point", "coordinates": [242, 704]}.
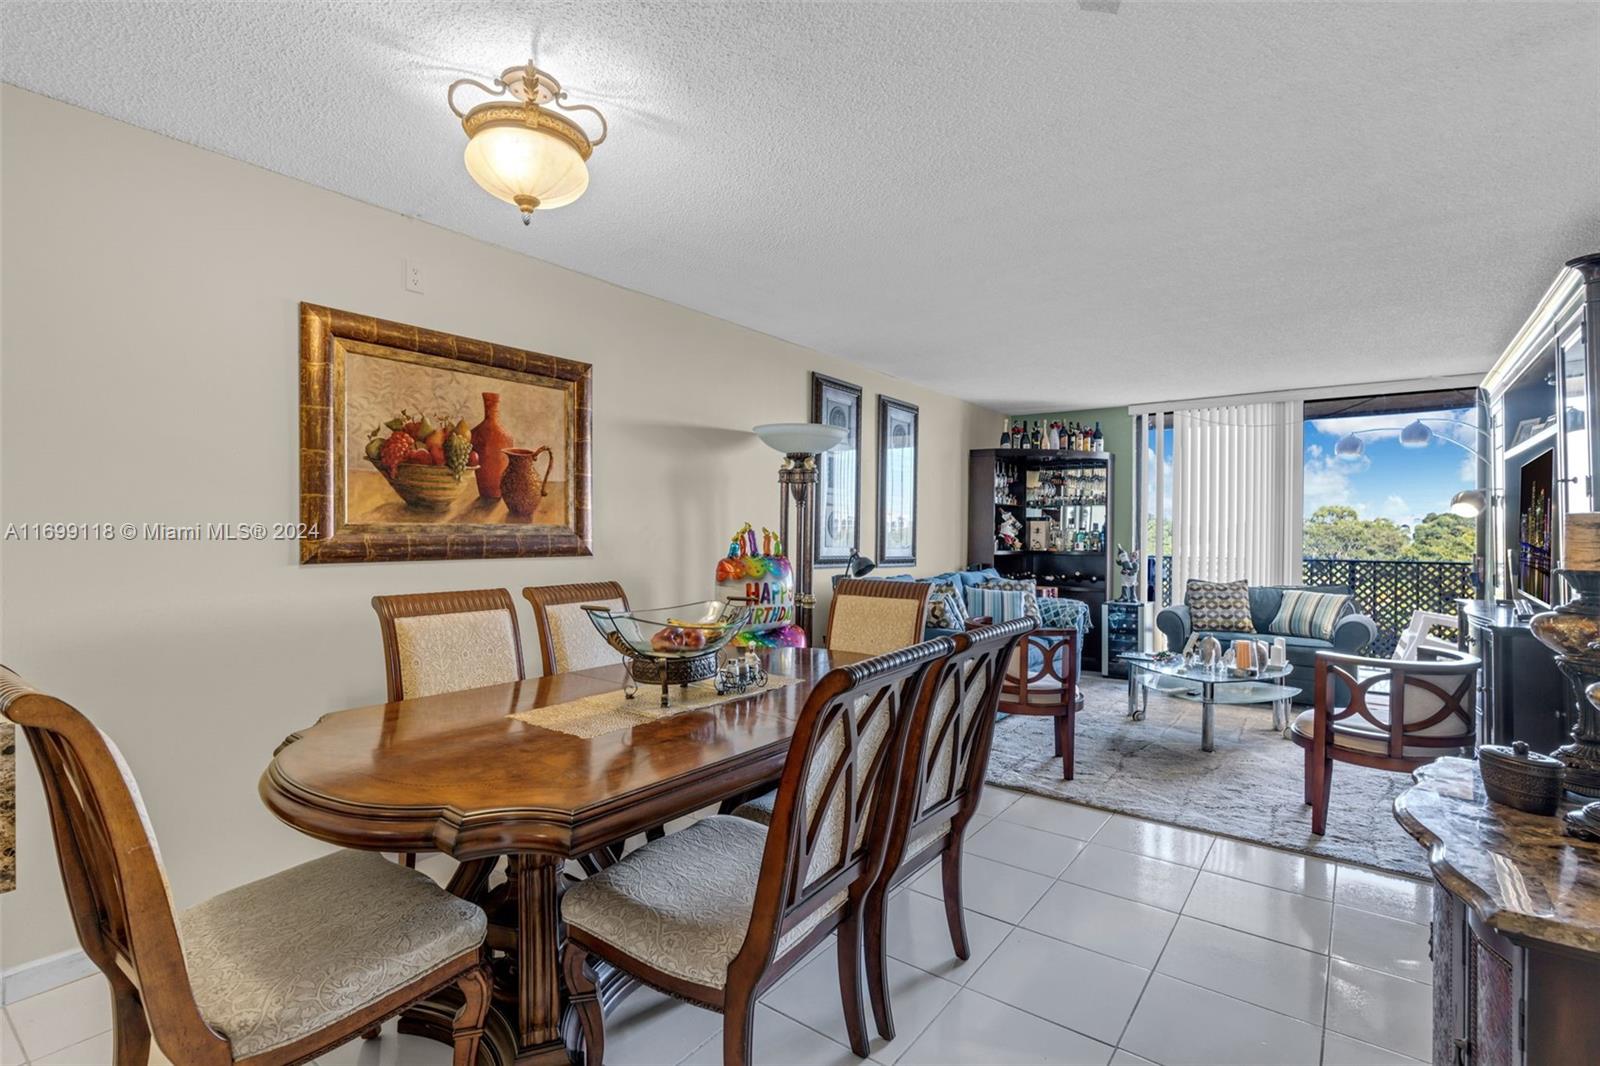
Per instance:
{"type": "Point", "coordinates": [1250, 788]}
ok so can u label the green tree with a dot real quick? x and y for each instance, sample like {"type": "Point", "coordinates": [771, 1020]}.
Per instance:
{"type": "Point", "coordinates": [1443, 536]}
{"type": "Point", "coordinates": [1335, 531]}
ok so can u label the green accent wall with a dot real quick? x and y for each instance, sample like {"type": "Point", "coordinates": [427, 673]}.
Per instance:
{"type": "Point", "coordinates": [1117, 425]}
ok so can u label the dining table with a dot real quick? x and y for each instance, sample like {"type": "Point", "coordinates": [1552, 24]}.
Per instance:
{"type": "Point", "coordinates": [458, 774]}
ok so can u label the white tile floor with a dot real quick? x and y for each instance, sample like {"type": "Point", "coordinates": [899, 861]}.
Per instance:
{"type": "Point", "coordinates": [1095, 939]}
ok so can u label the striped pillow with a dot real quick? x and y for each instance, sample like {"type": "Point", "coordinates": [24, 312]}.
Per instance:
{"type": "Point", "coordinates": [1309, 614]}
{"type": "Point", "coordinates": [1002, 605]}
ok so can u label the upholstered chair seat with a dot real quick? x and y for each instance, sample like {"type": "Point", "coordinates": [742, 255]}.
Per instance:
{"type": "Point", "coordinates": [758, 809]}
{"type": "Point", "coordinates": [289, 955]}
{"type": "Point", "coordinates": [1375, 740]}
{"type": "Point", "coordinates": [683, 904]}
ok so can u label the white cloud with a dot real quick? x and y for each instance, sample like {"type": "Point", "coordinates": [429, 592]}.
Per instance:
{"type": "Point", "coordinates": [1397, 511]}
{"type": "Point", "coordinates": [1327, 479]}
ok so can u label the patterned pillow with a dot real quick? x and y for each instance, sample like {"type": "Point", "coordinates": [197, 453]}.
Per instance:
{"type": "Point", "coordinates": [1219, 606]}
{"type": "Point", "coordinates": [1309, 614]}
{"type": "Point", "coordinates": [1064, 613]}
{"type": "Point", "coordinates": [998, 604]}
{"type": "Point", "coordinates": [947, 606]}
{"type": "Point", "coordinates": [1028, 590]}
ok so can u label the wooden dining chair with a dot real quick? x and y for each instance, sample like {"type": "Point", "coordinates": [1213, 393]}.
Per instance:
{"type": "Point", "coordinates": [437, 642]}
{"type": "Point", "coordinates": [1398, 714]}
{"type": "Point", "coordinates": [275, 971]}
{"type": "Point", "coordinates": [873, 617]}
{"type": "Point", "coordinates": [940, 781]}
{"type": "Point", "coordinates": [567, 639]}
{"type": "Point", "coordinates": [866, 618]}
{"type": "Point", "coordinates": [715, 913]}
{"type": "Point", "coordinates": [1050, 688]}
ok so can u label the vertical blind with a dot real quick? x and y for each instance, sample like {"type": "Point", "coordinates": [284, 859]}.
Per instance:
{"type": "Point", "coordinates": [1237, 474]}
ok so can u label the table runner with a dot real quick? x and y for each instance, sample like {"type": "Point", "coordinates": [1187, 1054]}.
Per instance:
{"type": "Point", "coordinates": [607, 712]}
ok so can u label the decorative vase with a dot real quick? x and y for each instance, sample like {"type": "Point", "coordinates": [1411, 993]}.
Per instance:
{"type": "Point", "coordinates": [1572, 631]}
{"type": "Point", "coordinates": [490, 440]}
{"type": "Point", "coordinates": [521, 486]}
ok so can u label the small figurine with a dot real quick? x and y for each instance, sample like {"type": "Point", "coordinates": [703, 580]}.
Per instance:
{"type": "Point", "coordinates": [1129, 570]}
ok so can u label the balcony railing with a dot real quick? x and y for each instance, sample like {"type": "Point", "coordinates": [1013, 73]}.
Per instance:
{"type": "Point", "coordinates": [1388, 591]}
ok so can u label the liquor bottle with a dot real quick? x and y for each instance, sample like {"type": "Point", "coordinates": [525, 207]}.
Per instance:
{"type": "Point", "coordinates": [1038, 435]}
{"type": "Point", "coordinates": [1099, 439]}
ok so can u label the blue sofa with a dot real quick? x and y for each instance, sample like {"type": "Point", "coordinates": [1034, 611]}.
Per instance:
{"type": "Point", "coordinates": [971, 578]}
{"type": "Point", "coordinates": [1351, 635]}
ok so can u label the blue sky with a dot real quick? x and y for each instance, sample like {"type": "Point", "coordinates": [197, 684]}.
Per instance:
{"type": "Point", "coordinates": [1389, 480]}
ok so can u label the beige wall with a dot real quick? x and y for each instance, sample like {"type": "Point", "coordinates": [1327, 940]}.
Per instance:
{"type": "Point", "coordinates": [149, 375]}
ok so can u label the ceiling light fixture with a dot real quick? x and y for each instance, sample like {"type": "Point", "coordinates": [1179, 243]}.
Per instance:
{"type": "Point", "coordinates": [523, 152]}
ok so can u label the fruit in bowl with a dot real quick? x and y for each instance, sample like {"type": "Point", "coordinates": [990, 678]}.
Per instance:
{"type": "Point", "coordinates": [422, 461]}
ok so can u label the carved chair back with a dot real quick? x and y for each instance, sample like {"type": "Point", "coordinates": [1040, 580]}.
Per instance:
{"type": "Point", "coordinates": [833, 802]}
{"type": "Point", "coordinates": [567, 639]}
{"type": "Point", "coordinates": [1053, 683]}
{"type": "Point", "coordinates": [448, 641]}
{"type": "Point", "coordinates": [116, 886]}
{"type": "Point", "coordinates": [873, 617]}
{"type": "Point", "coordinates": [948, 742]}
{"type": "Point", "coordinates": [1410, 704]}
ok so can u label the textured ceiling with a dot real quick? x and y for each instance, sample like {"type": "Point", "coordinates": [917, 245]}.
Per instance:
{"type": "Point", "coordinates": [1035, 206]}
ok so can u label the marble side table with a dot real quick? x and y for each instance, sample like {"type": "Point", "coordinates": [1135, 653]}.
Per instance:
{"type": "Point", "coordinates": [1515, 942]}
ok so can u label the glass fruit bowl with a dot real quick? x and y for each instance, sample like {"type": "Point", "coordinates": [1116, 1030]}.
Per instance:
{"type": "Point", "coordinates": [671, 645]}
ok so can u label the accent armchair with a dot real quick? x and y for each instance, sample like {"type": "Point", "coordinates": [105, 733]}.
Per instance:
{"type": "Point", "coordinates": [1395, 715]}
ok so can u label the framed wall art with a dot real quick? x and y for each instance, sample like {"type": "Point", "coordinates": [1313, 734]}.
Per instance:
{"type": "Point", "coordinates": [897, 482]}
{"type": "Point", "coordinates": [838, 403]}
{"type": "Point", "coordinates": [416, 444]}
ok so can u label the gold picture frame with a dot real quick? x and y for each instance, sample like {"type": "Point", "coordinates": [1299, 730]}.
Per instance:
{"type": "Point", "coordinates": [357, 373]}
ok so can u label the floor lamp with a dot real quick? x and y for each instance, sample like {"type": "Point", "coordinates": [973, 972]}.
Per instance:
{"type": "Point", "coordinates": [800, 443]}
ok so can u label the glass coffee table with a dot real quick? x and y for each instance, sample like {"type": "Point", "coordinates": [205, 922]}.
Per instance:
{"type": "Point", "coordinates": [1208, 686]}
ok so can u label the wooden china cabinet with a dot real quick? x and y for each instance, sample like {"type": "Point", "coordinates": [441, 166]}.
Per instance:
{"type": "Point", "coordinates": [1061, 501]}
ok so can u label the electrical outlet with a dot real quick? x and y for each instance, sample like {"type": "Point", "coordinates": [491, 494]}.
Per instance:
{"type": "Point", "coordinates": [413, 276]}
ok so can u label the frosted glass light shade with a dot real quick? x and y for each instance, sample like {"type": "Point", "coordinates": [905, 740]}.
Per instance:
{"type": "Point", "coordinates": [791, 438]}
{"type": "Point", "coordinates": [1416, 435]}
{"type": "Point", "coordinates": [1349, 447]}
{"type": "Point", "coordinates": [1468, 503]}
{"type": "Point", "coordinates": [522, 166]}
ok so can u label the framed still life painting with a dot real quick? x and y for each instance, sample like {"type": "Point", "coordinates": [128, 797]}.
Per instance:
{"type": "Point", "coordinates": [838, 403]}
{"type": "Point", "coordinates": [897, 482]}
{"type": "Point", "coordinates": [423, 445]}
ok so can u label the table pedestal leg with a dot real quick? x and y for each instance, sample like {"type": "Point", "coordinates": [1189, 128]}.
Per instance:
{"type": "Point", "coordinates": [1208, 714]}
{"type": "Point", "coordinates": [536, 880]}
{"type": "Point", "coordinates": [1135, 694]}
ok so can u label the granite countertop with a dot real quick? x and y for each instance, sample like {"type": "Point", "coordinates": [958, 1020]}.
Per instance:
{"type": "Point", "coordinates": [1517, 871]}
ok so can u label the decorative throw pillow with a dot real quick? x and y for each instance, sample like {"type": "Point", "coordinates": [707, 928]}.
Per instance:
{"type": "Point", "coordinates": [1219, 606]}
{"type": "Point", "coordinates": [947, 606]}
{"type": "Point", "coordinates": [1028, 590]}
{"type": "Point", "coordinates": [1064, 613]}
{"type": "Point", "coordinates": [1309, 614]}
